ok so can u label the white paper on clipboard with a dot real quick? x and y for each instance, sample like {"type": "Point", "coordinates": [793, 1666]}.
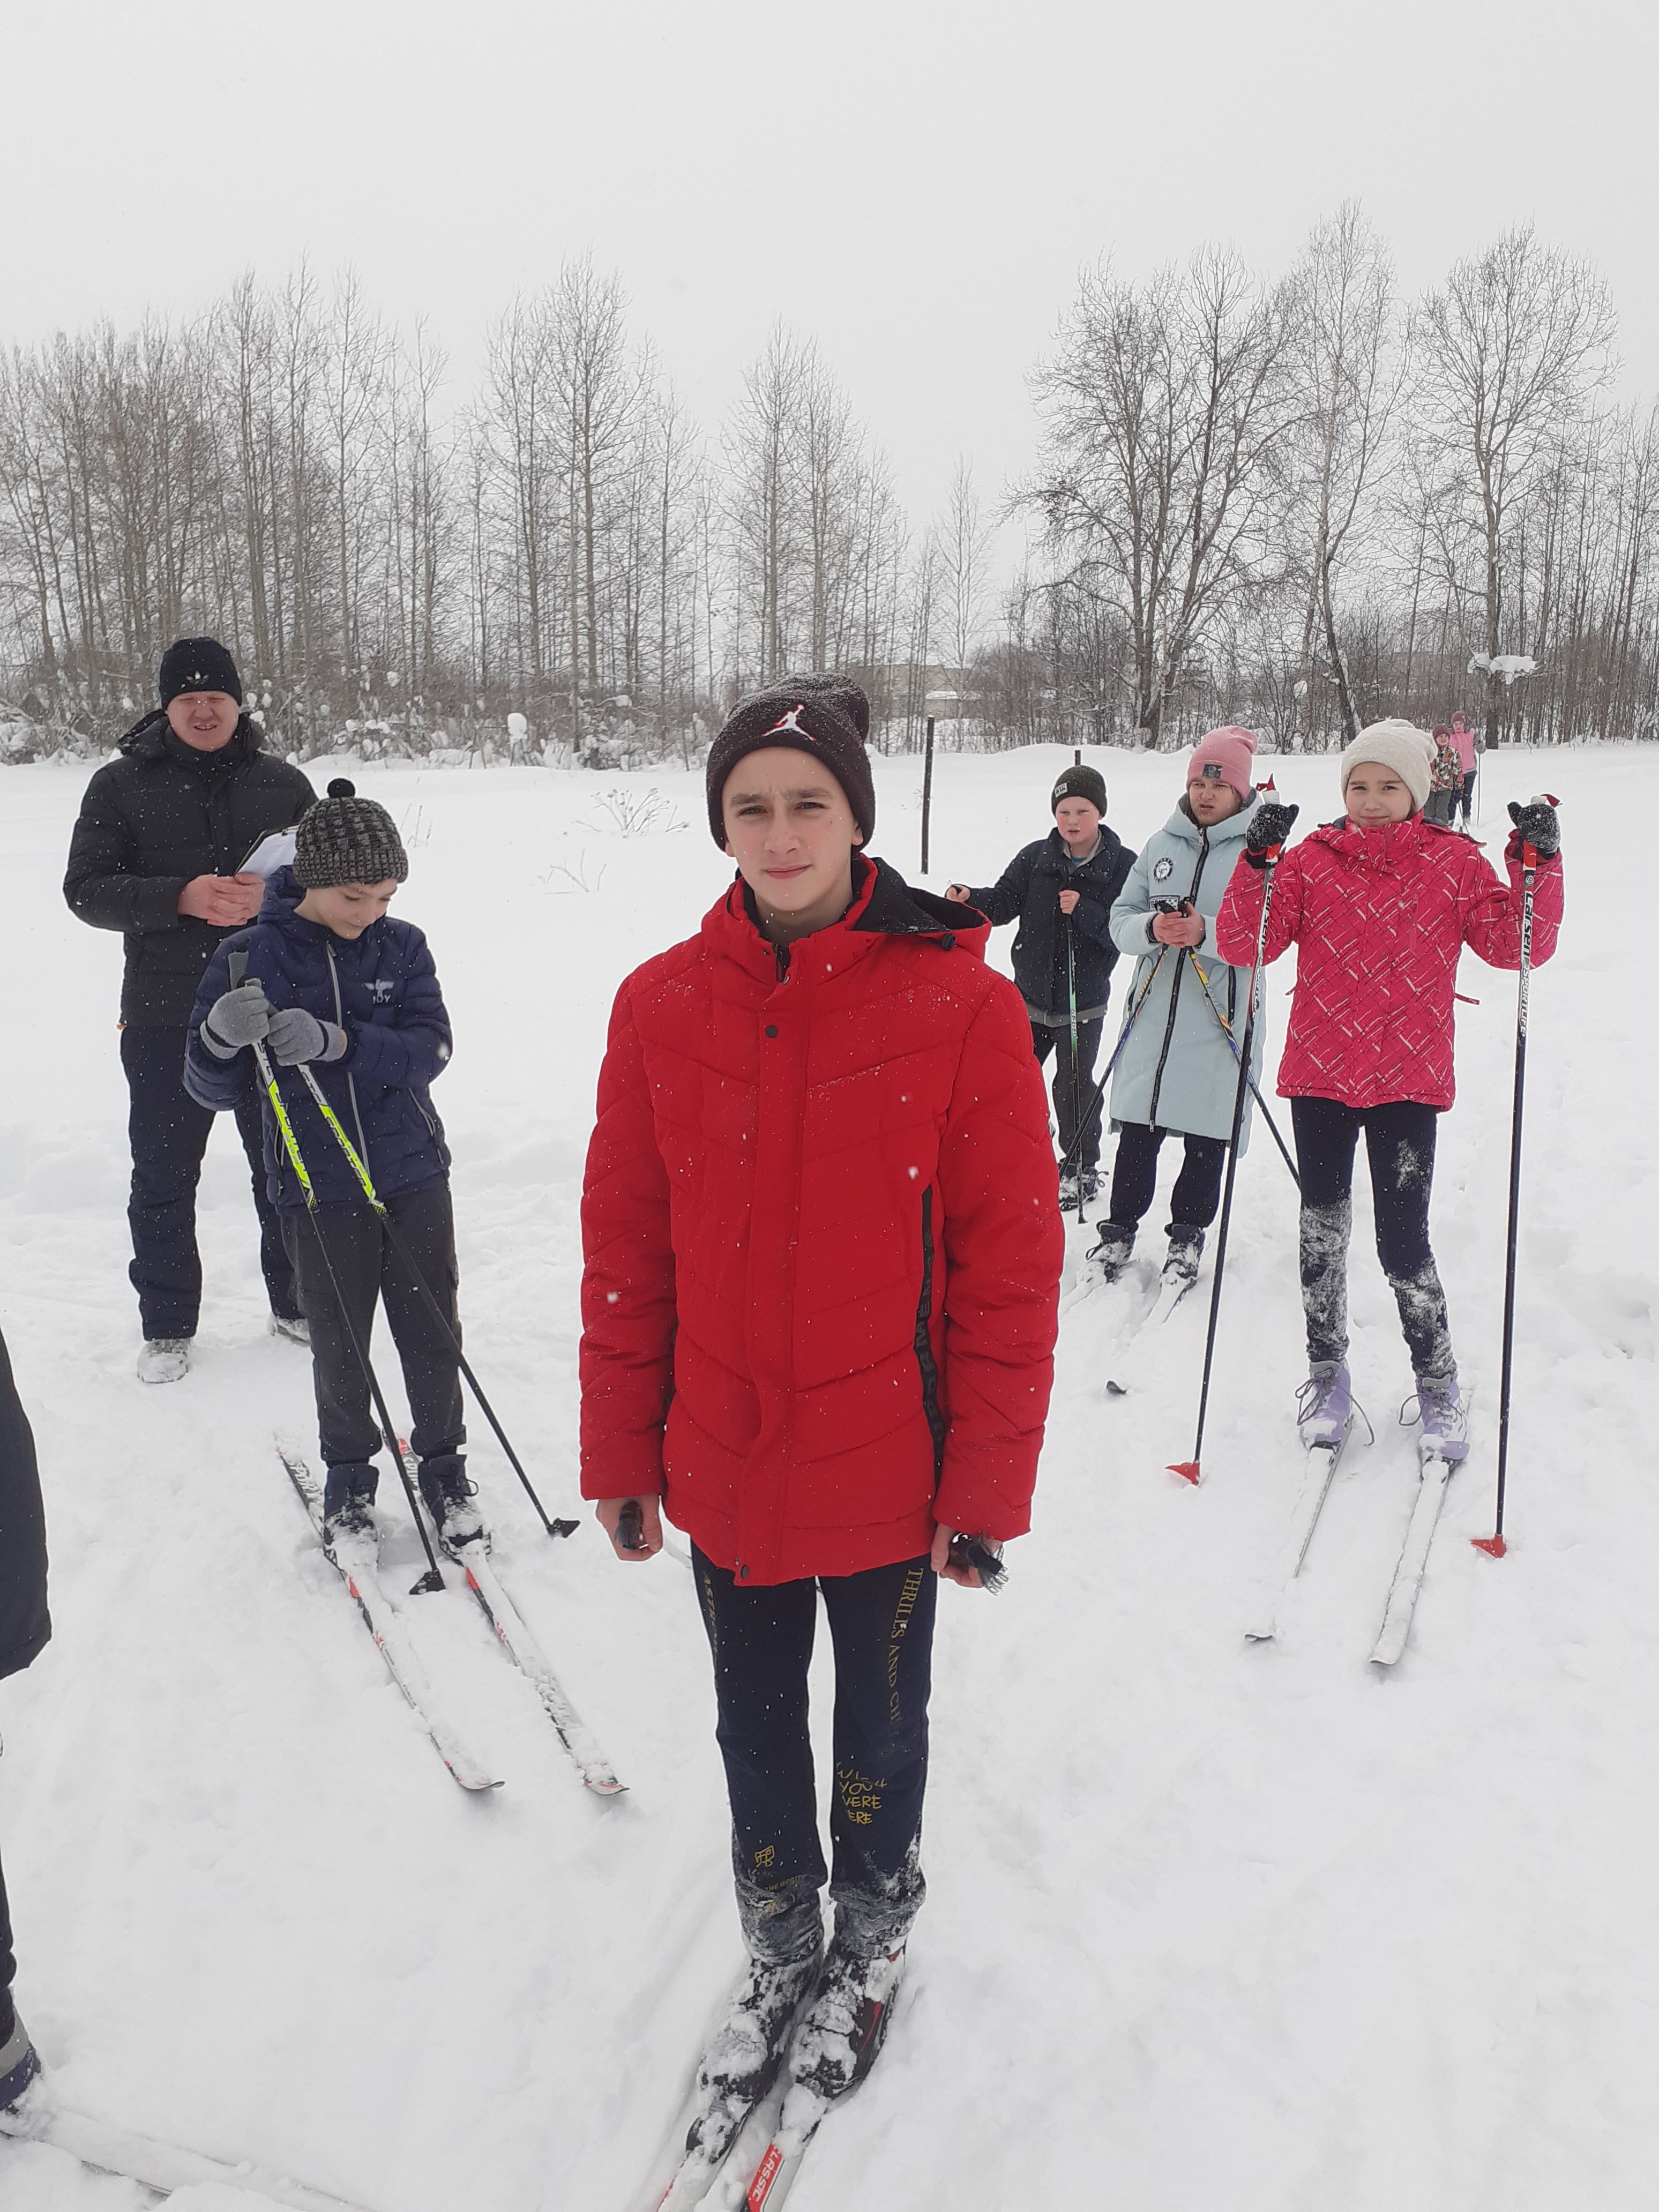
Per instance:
{"type": "Point", "coordinates": [271, 852]}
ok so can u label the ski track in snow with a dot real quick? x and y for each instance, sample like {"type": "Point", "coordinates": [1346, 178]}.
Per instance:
{"type": "Point", "coordinates": [1207, 1924]}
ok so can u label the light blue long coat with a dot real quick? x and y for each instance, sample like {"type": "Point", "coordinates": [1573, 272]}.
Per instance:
{"type": "Point", "coordinates": [1177, 1069]}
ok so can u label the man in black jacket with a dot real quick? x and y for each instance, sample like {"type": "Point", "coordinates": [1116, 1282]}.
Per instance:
{"type": "Point", "coordinates": [157, 853]}
{"type": "Point", "coordinates": [1060, 890]}
{"type": "Point", "coordinates": [25, 1625]}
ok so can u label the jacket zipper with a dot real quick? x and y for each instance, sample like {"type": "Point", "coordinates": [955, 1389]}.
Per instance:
{"type": "Point", "coordinates": [351, 1087]}
{"type": "Point", "coordinates": [1175, 988]}
{"type": "Point", "coordinates": [925, 1362]}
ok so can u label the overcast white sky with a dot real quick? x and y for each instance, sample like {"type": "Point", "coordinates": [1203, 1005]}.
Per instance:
{"type": "Point", "coordinates": [914, 185]}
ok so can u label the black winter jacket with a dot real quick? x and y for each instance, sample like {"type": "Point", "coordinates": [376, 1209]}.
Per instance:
{"type": "Point", "coordinates": [25, 1624]}
{"type": "Point", "coordinates": [151, 820]}
{"type": "Point", "coordinates": [1029, 888]}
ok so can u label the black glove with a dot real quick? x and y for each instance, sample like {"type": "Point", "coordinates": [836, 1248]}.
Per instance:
{"type": "Point", "coordinates": [1270, 825]}
{"type": "Point", "coordinates": [1536, 824]}
{"type": "Point", "coordinates": [295, 1035]}
{"type": "Point", "coordinates": [236, 1019]}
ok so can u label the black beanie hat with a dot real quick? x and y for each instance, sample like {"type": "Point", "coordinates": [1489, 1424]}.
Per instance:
{"type": "Point", "coordinates": [827, 716]}
{"type": "Point", "coordinates": [198, 664]}
{"type": "Point", "coordinates": [1079, 783]}
{"type": "Point", "coordinates": [344, 839]}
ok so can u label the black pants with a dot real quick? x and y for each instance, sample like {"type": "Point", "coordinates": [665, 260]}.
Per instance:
{"type": "Point", "coordinates": [1069, 1095]}
{"type": "Point", "coordinates": [367, 1269]}
{"type": "Point", "coordinates": [168, 1133]}
{"type": "Point", "coordinates": [882, 1624]}
{"type": "Point", "coordinates": [1399, 1147]}
{"type": "Point", "coordinates": [1197, 1193]}
{"type": "Point", "coordinates": [8, 1964]}
{"type": "Point", "coordinates": [1464, 798]}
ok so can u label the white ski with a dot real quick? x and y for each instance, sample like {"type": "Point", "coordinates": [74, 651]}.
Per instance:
{"type": "Point", "coordinates": [161, 2165]}
{"type": "Point", "coordinates": [1434, 1473]}
{"type": "Point", "coordinates": [357, 1563]}
{"type": "Point", "coordinates": [1321, 1466]}
{"type": "Point", "coordinates": [1170, 1294]}
{"type": "Point", "coordinates": [595, 1769]}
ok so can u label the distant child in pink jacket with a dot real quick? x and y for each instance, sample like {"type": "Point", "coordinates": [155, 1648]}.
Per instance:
{"type": "Point", "coordinates": [1379, 905]}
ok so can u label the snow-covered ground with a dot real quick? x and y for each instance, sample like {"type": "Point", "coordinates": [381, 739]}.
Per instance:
{"type": "Point", "coordinates": [1208, 1925]}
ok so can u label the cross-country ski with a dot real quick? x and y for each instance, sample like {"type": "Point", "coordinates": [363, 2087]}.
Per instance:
{"type": "Point", "coordinates": [164, 2167]}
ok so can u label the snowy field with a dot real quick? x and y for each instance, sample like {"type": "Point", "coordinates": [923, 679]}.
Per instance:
{"type": "Point", "coordinates": [1208, 1925]}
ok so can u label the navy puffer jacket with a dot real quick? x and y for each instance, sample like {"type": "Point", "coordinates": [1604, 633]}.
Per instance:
{"type": "Point", "coordinates": [1028, 891]}
{"type": "Point", "coordinates": [383, 991]}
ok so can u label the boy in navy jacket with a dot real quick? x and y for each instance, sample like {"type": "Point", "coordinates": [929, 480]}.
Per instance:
{"type": "Point", "coordinates": [333, 982]}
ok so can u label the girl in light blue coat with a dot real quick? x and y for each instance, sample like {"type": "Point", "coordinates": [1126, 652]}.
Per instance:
{"type": "Point", "coordinates": [1176, 1074]}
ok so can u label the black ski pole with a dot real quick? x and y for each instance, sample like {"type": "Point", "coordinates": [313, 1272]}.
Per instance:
{"type": "Point", "coordinates": [1070, 998]}
{"type": "Point", "coordinates": [1105, 1077]}
{"type": "Point", "coordinates": [1189, 1469]}
{"type": "Point", "coordinates": [1232, 1047]}
{"type": "Point", "coordinates": [1494, 1544]}
{"type": "Point", "coordinates": [433, 1579]}
{"type": "Point", "coordinates": [395, 1238]}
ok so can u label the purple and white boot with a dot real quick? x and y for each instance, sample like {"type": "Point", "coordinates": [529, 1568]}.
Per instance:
{"type": "Point", "coordinates": [1324, 1406]}
{"type": "Point", "coordinates": [1444, 1408]}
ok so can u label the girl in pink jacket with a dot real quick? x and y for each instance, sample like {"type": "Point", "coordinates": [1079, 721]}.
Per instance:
{"type": "Point", "coordinates": [1380, 905]}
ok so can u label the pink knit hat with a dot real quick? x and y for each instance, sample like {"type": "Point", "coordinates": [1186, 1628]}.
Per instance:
{"type": "Point", "coordinates": [1232, 750]}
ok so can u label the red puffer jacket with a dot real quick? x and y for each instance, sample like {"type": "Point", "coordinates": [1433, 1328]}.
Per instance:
{"type": "Point", "coordinates": [1379, 918]}
{"type": "Point", "coordinates": [823, 1240]}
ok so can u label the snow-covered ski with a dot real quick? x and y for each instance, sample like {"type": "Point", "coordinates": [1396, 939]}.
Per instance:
{"type": "Point", "coordinates": [356, 1561]}
{"type": "Point", "coordinates": [1434, 1472]}
{"type": "Point", "coordinates": [153, 2165]}
{"type": "Point", "coordinates": [526, 1654]}
{"type": "Point", "coordinates": [1152, 1316]}
{"type": "Point", "coordinates": [780, 2166]}
{"type": "Point", "coordinates": [1321, 1466]}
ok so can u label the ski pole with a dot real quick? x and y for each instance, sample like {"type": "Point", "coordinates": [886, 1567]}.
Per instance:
{"type": "Point", "coordinates": [1071, 997]}
{"type": "Point", "coordinates": [1232, 1047]}
{"type": "Point", "coordinates": [395, 1237]}
{"type": "Point", "coordinates": [432, 1580]}
{"type": "Point", "coordinates": [1189, 1469]}
{"type": "Point", "coordinates": [1123, 1039]}
{"type": "Point", "coordinates": [1494, 1544]}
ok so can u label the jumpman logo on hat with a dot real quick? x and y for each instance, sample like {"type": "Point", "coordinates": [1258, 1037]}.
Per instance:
{"type": "Point", "coordinates": [791, 721]}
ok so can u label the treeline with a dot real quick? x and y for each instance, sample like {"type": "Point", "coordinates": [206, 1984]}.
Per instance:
{"type": "Point", "coordinates": [1296, 504]}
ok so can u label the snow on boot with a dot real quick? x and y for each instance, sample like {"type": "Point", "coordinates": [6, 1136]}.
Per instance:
{"type": "Point", "coordinates": [349, 1501]}
{"type": "Point", "coordinates": [294, 1326]}
{"type": "Point", "coordinates": [19, 2065]}
{"type": "Point", "coordinates": [746, 2051]}
{"type": "Point", "coordinates": [1088, 1186]}
{"type": "Point", "coordinates": [448, 1495]}
{"type": "Point", "coordinates": [1186, 1250]}
{"type": "Point", "coordinates": [838, 2043]}
{"type": "Point", "coordinates": [1324, 1405]}
{"type": "Point", "coordinates": [1110, 1256]}
{"type": "Point", "coordinates": [163, 1358]}
{"type": "Point", "coordinates": [1445, 1415]}
{"type": "Point", "coordinates": [1068, 1190]}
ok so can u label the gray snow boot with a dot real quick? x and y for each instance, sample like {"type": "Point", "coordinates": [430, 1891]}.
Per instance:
{"type": "Point", "coordinates": [1110, 1256]}
{"type": "Point", "coordinates": [1186, 1250]}
{"type": "Point", "coordinates": [19, 2065]}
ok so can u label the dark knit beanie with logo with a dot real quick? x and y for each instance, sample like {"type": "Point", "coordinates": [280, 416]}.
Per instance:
{"type": "Point", "coordinates": [1079, 783]}
{"type": "Point", "coordinates": [344, 839]}
{"type": "Point", "coordinates": [198, 664]}
{"type": "Point", "coordinates": [827, 716]}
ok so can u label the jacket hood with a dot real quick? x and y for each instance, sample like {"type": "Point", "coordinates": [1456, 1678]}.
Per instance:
{"type": "Point", "coordinates": [1232, 826]}
{"type": "Point", "coordinates": [1390, 846]}
{"type": "Point", "coordinates": [148, 740]}
{"type": "Point", "coordinates": [884, 905]}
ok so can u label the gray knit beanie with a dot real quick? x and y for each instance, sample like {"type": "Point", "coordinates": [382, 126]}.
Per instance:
{"type": "Point", "coordinates": [344, 839]}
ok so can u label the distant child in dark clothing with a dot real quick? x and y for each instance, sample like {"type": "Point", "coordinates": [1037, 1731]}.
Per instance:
{"type": "Point", "coordinates": [335, 984]}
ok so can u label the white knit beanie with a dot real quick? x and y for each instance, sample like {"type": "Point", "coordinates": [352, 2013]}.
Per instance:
{"type": "Point", "coordinates": [1398, 746]}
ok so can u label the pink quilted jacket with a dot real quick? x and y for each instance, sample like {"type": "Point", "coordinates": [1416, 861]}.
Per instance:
{"type": "Point", "coordinates": [1379, 918]}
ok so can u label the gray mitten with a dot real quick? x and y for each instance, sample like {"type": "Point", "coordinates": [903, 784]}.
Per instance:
{"type": "Point", "coordinates": [295, 1035]}
{"type": "Point", "coordinates": [238, 1018]}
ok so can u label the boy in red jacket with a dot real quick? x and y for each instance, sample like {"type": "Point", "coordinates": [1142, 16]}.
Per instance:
{"type": "Point", "coordinates": [822, 1255]}
{"type": "Point", "coordinates": [1380, 905]}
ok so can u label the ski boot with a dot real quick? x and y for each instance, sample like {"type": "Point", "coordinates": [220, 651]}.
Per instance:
{"type": "Point", "coordinates": [838, 2043]}
{"type": "Point", "coordinates": [163, 1358]}
{"type": "Point", "coordinates": [1445, 1411]}
{"type": "Point", "coordinates": [349, 1501]}
{"type": "Point", "coordinates": [1186, 1249]}
{"type": "Point", "coordinates": [294, 1326]}
{"type": "Point", "coordinates": [1088, 1186]}
{"type": "Point", "coordinates": [1068, 1190]}
{"type": "Point", "coordinates": [1110, 1256]}
{"type": "Point", "coordinates": [19, 2065]}
{"type": "Point", "coordinates": [448, 1495]}
{"type": "Point", "coordinates": [746, 2050]}
{"type": "Point", "coordinates": [1324, 1405]}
